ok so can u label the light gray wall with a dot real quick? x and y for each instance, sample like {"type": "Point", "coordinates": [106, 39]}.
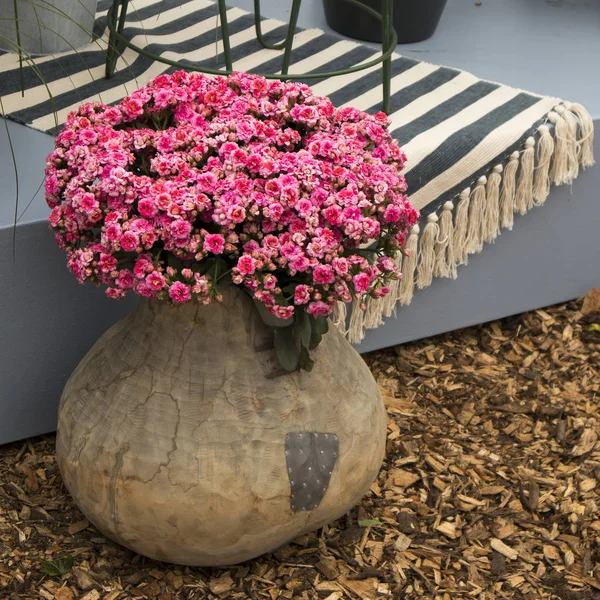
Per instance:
{"type": "Point", "coordinates": [48, 321]}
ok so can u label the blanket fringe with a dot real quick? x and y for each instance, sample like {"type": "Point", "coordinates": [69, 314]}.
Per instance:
{"type": "Point", "coordinates": [445, 261]}
{"type": "Point", "coordinates": [541, 180]}
{"type": "Point", "coordinates": [509, 187]}
{"type": "Point", "coordinates": [524, 195]}
{"type": "Point", "coordinates": [390, 299]}
{"type": "Point", "coordinates": [586, 130]}
{"type": "Point", "coordinates": [491, 219]}
{"type": "Point", "coordinates": [551, 157]}
{"type": "Point", "coordinates": [573, 144]}
{"type": "Point", "coordinates": [339, 316]}
{"type": "Point", "coordinates": [460, 227]}
{"type": "Point", "coordinates": [356, 328]}
{"type": "Point", "coordinates": [427, 252]}
{"type": "Point", "coordinates": [407, 283]}
{"type": "Point", "coordinates": [476, 215]}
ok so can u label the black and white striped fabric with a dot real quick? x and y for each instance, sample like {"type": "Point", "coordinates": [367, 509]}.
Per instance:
{"type": "Point", "coordinates": [484, 143]}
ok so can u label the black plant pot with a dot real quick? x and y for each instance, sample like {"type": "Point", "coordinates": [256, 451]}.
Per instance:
{"type": "Point", "coordinates": [414, 20]}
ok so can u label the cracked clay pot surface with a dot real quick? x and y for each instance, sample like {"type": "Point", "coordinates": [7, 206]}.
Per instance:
{"type": "Point", "coordinates": [172, 432]}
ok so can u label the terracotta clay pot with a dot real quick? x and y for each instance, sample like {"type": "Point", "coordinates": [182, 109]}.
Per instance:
{"type": "Point", "coordinates": [178, 438]}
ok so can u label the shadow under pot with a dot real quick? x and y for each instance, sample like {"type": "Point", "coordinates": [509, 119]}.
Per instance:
{"type": "Point", "coordinates": [414, 20]}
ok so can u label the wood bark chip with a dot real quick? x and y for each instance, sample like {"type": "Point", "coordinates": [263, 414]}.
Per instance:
{"type": "Point", "coordinates": [84, 580]}
{"type": "Point", "coordinates": [502, 548]}
{"type": "Point", "coordinates": [328, 566]}
{"type": "Point", "coordinates": [78, 527]}
{"type": "Point", "coordinates": [497, 564]}
{"type": "Point", "coordinates": [63, 593]}
{"type": "Point", "coordinates": [476, 476]}
{"type": "Point", "coordinates": [221, 585]}
{"type": "Point", "coordinates": [402, 542]}
{"type": "Point", "coordinates": [530, 495]}
{"type": "Point", "coordinates": [591, 302]}
{"type": "Point", "coordinates": [586, 442]}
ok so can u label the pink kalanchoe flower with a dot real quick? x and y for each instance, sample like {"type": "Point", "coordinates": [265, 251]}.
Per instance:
{"type": "Point", "coordinates": [115, 293]}
{"type": "Point", "coordinates": [214, 242]}
{"type": "Point", "coordinates": [361, 283]}
{"type": "Point", "coordinates": [155, 281]}
{"type": "Point", "coordinates": [279, 183]}
{"type": "Point", "coordinates": [129, 241]}
{"type": "Point", "coordinates": [282, 312]}
{"type": "Point", "coordinates": [392, 214]}
{"type": "Point", "coordinates": [125, 279]}
{"type": "Point", "coordinates": [299, 263]}
{"type": "Point", "coordinates": [319, 309]}
{"type": "Point", "coordinates": [147, 208]}
{"type": "Point", "coordinates": [380, 292]}
{"type": "Point", "coordinates": [113, 232]}
{"type": "Point", "coordinates": [246, 265]}
{"type": "Point", "coordinates": [200, 286]}
{"type": "Point", "coordinates": [301, 294]}
{"type": "Point", "coordinates": [269, 281]}
{"type": "Point", "coordinates": [179, 292]}
{"type": "Point", "coordinates": [323, 274]}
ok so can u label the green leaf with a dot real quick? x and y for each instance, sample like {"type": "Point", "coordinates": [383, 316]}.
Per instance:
{"type": "Point", "coordinates": [175, 262]}
{"type": "Point", "coordinates": [369, 523]}
{"type": "Point", "coordinates": [303, 327]}
{"type": "Point", "coordinates": [289, 288]}
{"type": "Point", "coordinates": [319, 327]}
{"type": "Point", "coordinates": [594, 327]}
{"type": "Point", "coordinates": [286, 348]}
{"type": "Point", "coordinates": [315, 340]}
{"type": "Point", "coordinates": [306, 362]}
{"type": "Point", "coordinates": [58, 567]}
{"type": "Point", "coordinates": [322, 324]}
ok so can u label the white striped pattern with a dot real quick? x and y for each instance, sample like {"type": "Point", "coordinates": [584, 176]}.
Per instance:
{"type": "Point", "coordinates": [424, 150]}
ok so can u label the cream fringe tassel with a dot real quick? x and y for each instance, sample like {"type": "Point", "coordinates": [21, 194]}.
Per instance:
{"type": "Point", "coordinates": [445, 261]}
{"type": "Point", "coordinates": [491, 219]}
{"type": "Point", "coordinates": [409, 264]}
{"type": "Point", "coordinates": [551, 157]}
{"type": "Point", "coordinates": [524, 196]}
{"type": "Point", "coordinates": [476, 215]}
{"type": "Point", "coordinates": [427, 251]}
{"type": "Point", "coordinates": [460, 227]}
{"type": "Point", "coordinates": [545, 149]}
{"type": "Point", "coordinates": [507, 196]}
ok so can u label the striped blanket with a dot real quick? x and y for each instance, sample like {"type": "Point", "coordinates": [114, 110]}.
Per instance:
{"type": "Point", "coordinates": [477, 151]}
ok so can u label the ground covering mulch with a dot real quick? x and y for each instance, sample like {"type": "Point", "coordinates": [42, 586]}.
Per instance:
{"type": "Point", "coordinates": [490, 488]}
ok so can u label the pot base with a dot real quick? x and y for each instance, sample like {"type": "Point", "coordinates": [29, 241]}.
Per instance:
{"type": "Point", "coordinates": [172, 433]}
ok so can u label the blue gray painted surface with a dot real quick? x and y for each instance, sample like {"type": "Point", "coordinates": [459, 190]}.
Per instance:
{"type": "Point", "coordinates": [48, 321]}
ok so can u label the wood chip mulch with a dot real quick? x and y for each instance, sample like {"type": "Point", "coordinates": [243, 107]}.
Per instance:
{"type": "Point", "coordinates": [490, 488]}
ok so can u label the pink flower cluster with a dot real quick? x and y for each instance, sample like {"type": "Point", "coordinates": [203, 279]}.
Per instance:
{"type": "Point", "coordinates": [266, 179]}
